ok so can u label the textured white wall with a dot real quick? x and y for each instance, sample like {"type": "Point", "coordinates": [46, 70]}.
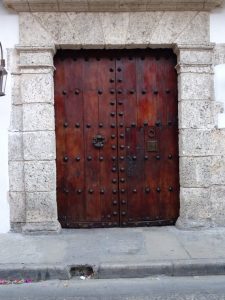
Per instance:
{"type": "Point", "coordinates": [217, 35]}
{"type": "Point", "coordinates": [217, 26]}
{"type": "Point", "coordinates": [9, 34]}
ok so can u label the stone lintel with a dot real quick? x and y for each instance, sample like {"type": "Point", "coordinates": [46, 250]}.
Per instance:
{"type": "Point", "coordinates": [112, 5]}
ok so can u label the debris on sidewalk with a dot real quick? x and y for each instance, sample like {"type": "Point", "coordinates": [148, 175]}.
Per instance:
{"type": "Point", "coordinates": [16, 281]}
{"type": "Point", "coordinates": [86, 277]}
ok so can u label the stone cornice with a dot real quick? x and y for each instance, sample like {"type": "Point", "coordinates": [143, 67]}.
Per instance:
{"type": "Point", "coordinates": [34, 49]}
{"type": "Point", "coordinates": [110, 5]}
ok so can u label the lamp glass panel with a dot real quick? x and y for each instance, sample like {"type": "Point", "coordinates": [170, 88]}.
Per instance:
{"type": "Point", "coordinates": [3, 79]}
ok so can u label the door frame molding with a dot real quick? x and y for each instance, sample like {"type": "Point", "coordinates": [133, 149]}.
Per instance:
{"type": "Point", "coordinates": [32, 169]}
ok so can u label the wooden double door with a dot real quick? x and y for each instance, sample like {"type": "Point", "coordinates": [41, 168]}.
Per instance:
{"type": "Point", "coordinates": [117, 138]}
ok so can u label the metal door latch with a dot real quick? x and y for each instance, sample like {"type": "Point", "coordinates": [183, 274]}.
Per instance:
{"type": "Point", "coordinates": [98, 141]}
{"type": "Point", "coordinates": [152, 146]}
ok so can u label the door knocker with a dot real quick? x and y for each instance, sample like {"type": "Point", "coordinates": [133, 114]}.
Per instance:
{"type": "Point", "coordinates": [98, 141]}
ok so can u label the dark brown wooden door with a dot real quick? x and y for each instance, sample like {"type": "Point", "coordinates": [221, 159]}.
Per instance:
{"type": "Point", "coordinates": [117, 138]}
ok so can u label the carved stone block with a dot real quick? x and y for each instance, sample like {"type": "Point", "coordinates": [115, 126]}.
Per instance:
{"type": "Point", "coordinates": [15, 146]}
{"type": "Point", "coordinates": [37, 88]}
{"type": "Point", "coordinates": [17, 204]}
{"type": "Point", "coordinates": [40, 176]}
{"type": "Point", "coordinates": [16, 176]}
{"type": "Point", "coordinates": [39, 145]}
{"type": "Point", "coordinates": [38, 116]}
{"type": "Point", "coordinates": [41, 207]}
{"type": "Point", "coordinates": [195, 209]}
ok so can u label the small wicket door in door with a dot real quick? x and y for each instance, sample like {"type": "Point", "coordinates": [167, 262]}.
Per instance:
{"type": "Point", "coordinates": [117, 138]}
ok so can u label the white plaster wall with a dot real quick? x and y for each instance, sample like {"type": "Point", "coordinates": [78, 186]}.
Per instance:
{"type": "Point", "coordinates": [217, 35]}
{"type": "Point", "coordinates": [217, 25]}
{"type": "Point", "coordinates": [9, 36]}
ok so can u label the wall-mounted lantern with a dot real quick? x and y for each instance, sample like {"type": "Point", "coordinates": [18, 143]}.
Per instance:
{"type": "Point", "coordinates": [3, 73]}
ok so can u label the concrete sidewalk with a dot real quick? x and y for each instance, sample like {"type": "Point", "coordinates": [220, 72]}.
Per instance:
{"type": "Point", "coordinates": [113, 253]}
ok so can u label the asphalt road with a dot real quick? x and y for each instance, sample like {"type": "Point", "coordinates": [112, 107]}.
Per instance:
{"type": "Point", "coordinates": [157, 288]}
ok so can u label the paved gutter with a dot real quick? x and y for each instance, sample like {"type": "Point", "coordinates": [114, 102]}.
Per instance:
{"type": "Point", "coordinates": [192, 267]}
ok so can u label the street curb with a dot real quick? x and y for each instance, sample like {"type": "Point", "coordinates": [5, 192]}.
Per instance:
{"type": "Point", "coordinates": [34, 272]}
{"type": "Point", "coordinates": [192, 267]}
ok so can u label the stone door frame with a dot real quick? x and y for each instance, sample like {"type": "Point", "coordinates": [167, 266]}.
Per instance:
{"type": "Point", "coordinates": [32, 169]}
